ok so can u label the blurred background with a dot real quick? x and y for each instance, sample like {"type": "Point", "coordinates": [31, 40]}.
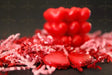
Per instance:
{"type": "Point", "coordinates": [24, 16]}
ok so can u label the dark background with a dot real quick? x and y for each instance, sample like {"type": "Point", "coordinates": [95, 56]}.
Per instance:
{"type": "Point", "coordinates": [24, 16]}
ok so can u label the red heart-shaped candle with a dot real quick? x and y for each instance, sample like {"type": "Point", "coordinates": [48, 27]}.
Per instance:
{"type": "Point", "coordinates": [57, 29]}
{"type": "Point", "coordinates": [56, 59]}
{"type": "Point", "coordinates": [55, 14]}
{"type": "Point", "coordinates": [79, 60]}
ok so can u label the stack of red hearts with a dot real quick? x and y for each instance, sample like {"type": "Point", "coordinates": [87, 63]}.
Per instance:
{"type": "Point", "coordinates": [65, 22]}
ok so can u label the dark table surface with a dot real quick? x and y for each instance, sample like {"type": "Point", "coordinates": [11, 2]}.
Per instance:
{"type": "Point", "coordinates": [106, 70]}
{"type": "Point", "coordinates": [24, 16]}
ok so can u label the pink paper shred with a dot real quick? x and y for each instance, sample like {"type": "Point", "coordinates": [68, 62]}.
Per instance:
{"type": "Point", "coordinates": [26, 52]}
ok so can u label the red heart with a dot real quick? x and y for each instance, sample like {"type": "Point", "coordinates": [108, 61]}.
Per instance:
{"type": "Point", "coordinates": [73, 28]}
{"type": "Point", "coordinates": [57, 29]}
{"type": "Point", "coordinates": [56, 59]}
{"type": "Point", "coordinates": [77, 40]}
{"type": "Point", "coordinates": [73, 14]}
{"type": "Point", "coordinates": [55, 15]}
{"type": "Point", "coordinates": [84, 14]}
{"type": "Point", "coordinates": [85, 27]}
{"type": "Point", "coordinates": [79, 60]}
